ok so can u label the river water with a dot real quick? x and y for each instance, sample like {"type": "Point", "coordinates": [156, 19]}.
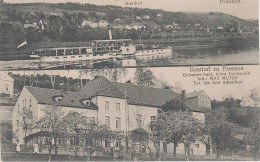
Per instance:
{"type": "Point", "coordinates": [180, 58]}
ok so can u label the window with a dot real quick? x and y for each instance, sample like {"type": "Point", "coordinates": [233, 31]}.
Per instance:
{"type": "Point", "coordinates": [56, 57]}
{"type": "Point", "coordinates": [152, 123]}
{"type": "Point", "coordinates": [88, 142]}
{"type": "Point", "coordinates": [117, 144]}
{"type": "Point", "coordinates": [118, 122]}
{"type": "Point", "coordinates": [30, 105]}
{"type": "Point", "coordinates": [72, 56]}
{"type": "Point", "coordinates": [164, 147]}
{"type": "Point", "coordinates": [60, 141]}
{"type": "Point", "coordinates": [106, 105]}
{"type": "Point", "coordinates": [76, 140]}
{"type": "Point", "coordinates": [83, 51]}
{"type": "Point", "coordinates": [24, 103]}
{"type": "Point", "coordinates": [71, 141]}
{"type": "Point", "coordinates": [117, 106]}
{"type": "Point", "coordinates": [92, 120]}
{"type": "Point", "coordinates": [59, 98]}
{"type": "Point", "coordinates": [86, 102]}
{"type": "Point", "coordinates": [17, 124]}
{"type": "Point", "coordinates": [197, 145]}
{"type": "Point", "coordinates": [6, 87]}
{"type": "Point", "coordinates": [143, 150]}
{"type": "Point", "coordinates": [138, 120]}
{"type": "Point", "coordinates": [107, 144]}
{"type": "Point", "coordinates": [107, 121]}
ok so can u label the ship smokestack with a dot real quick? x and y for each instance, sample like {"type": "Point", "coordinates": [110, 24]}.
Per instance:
{"type": "Point", "coordinates": [110, 34]}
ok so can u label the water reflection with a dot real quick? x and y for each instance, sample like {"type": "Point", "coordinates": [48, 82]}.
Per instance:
{"type": "Point", "coordinates": [192, 56]}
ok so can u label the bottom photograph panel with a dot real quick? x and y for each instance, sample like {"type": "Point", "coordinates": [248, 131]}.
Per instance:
{"type": "Point", "coordinates": [145, 114]}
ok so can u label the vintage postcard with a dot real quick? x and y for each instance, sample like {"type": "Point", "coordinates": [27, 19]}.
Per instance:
{"type": "Point", "coordinates": [137, 114]}
{"type": "Point", "coordinates": [129, 80]}
{"type": "Point", "coordinates": [69, 34]}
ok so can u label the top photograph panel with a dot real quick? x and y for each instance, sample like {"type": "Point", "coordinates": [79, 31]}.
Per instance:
{"type": "Point", "coordinates": [86, 34]}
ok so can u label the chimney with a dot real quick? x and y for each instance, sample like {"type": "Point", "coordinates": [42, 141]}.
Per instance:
{"type": "Point", "coordinates": [183, 94]}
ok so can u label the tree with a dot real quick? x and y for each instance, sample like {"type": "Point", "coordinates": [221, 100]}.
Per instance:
{"type": "Point", "coordinates": [141, 136]}
{"type": "Point", "coordinates": [52, 123]}
{"type": "Point", "coordinates": [178, 126]}
{"type": "Point", "coordinates": [111, 74]}
{"type": "Point", "coordinates": [144, 77]}
{"type": "Point", "coordinates": [75, 122]}
{"type": "Point", "coordinates": [27, 124]}
{"type": "Point", "coordinates": [221, 130]}
{"type": "Point", "coordinates": [227, 103]}
{"type": "Point", "coordinates": [176, 104]}
{"type": "Point", "coordinates": [95, 134]}
{"type": "Point", "coordinates": [6, 131]}
{"type": "Point", "coordinates": [252, 138]}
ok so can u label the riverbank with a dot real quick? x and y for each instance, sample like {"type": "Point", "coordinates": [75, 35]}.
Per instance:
{"type": "Point", "coordinates": [10, 52]}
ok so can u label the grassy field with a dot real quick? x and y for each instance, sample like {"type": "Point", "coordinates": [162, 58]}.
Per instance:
{"type": "Point", "coordinates": [44, 157]}
{"type": "Point", "coordinates": [140, 157]}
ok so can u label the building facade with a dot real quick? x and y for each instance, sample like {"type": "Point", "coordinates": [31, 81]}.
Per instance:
{"type": "Point", "coordinates": [122, 107]}
{"type": "Point", "coordinates": [7, 85]}
{"type": "Point", "coordinates": [198, 101]}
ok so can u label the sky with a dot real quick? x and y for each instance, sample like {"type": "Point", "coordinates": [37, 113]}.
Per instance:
{"type": "Point", "coordinates": [173, 76]}
{"type": "Point", "coordinates": [246, 9]}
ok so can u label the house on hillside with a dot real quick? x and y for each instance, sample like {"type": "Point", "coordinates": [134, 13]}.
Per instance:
{"type": "Point", "coordinates": [33, 25]}
{"type": "Point", "coordinates": [168, 27]}
{"type": "Point", "coordinates": [119, 27]}
{"type": "Point", "coordinates": [6, 107]}
{"type": "Point", "coordinates": [220, 28]}
{"type": "Point", "coordinates": [89, 23]}
{"type": "Point", "coordinates": [146, 17]}
{"type": "Point", "coordinates": [138, 18]}
{"type": "Point", "coordinates": [7, 85]}
{"type": "Point", "coordinates": [159, 15]}
{"type": "Point", "coordinates": [122, 107]}
{"type": "Point", "coordinates": [136, 26]}
{"type": "Point", "coordinates": [197, 25]}
{"type": "Point", "coordinates": [117, 21]}
{"type": "Point", "coordinates": [252, 100]}
{"type": "Point", "coordinates": [198, 101]}
{"type": "Point", "coordinates": [175, 24]}
{"type": "Point", "coordinates": [7, 99]}
{"type": "Point", "coordinates": [103, 23]}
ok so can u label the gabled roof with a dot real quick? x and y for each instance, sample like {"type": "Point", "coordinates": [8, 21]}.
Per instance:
{"type": "Point", "coordinates": [194, 94]}
{"type": "Point", "coordinates": [102, 87]}
{"type": "Point", "coordinates": [69, 99]}
{"type": "Point", "coordinates": [5, 76]}
{"type": "Point", "coordinates": [135, 94]}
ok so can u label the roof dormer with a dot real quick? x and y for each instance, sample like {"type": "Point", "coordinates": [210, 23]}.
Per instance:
{"type": "Point", "coordinates": [58, 98]}
{"type": "Point", "coordinates": [86, 102]}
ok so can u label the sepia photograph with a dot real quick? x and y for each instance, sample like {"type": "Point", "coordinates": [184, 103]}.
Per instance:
{"type": "Point", "coordinates": [131, 114]}
{"type": "Point", "coordinates": [129, 80]}
{"type": "Point", "coordinates": [86, 34]}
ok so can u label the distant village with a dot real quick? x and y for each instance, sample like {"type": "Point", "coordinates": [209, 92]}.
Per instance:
{"type": "Point", "coordinates": [87, 24]}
